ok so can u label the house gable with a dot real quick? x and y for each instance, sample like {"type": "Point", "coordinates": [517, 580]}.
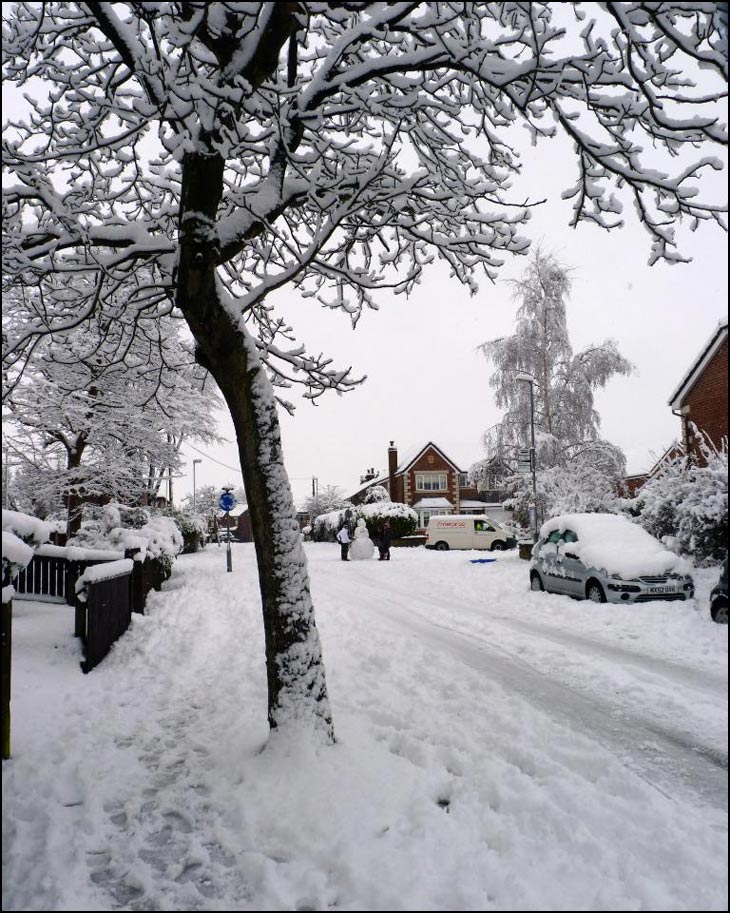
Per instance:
{"type": "Point", "coordinates": [699, 366]}
{"type": "Point", "coordinates": [702, 397]}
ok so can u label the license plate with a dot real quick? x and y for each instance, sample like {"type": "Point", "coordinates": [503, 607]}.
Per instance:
{"type": "Point", "coordinates": [662, 589]}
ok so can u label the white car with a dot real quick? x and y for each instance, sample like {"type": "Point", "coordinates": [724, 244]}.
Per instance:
{"type": "Point", "coordinates": [606, 558]}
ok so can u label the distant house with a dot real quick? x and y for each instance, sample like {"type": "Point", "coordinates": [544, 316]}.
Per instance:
{"type": "Point", "coordinates": [635, 482]}
{"type": "Point", "coordinates": [240, 522]}
{"type": "Point", "coordinates": [701, 397]}
{"type": "Point", "coordinates": [430, 482]}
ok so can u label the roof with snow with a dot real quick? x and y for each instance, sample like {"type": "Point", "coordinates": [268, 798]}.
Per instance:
{"type": "Point", "coordinates": [699, 364]}
{"type": "Point", "coordinates": [435, 503]}
{"type": "Point", "coordinates": [413, 453]}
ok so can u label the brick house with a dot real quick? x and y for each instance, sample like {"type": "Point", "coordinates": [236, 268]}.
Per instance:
{"type": "Point", "coordinates": [635, 482]}
{"type": "Point", "coordinates": [430, 482]}
{"type": "Point", "coordinates": [240, 524]}
{"type": "Point", "coordinates": [701, 398]}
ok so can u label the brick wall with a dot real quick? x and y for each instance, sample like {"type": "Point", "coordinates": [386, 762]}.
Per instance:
{"type": "Point", "coordinates": [430, 461]}
{"type": "Point", "coordinates": [708, 402]}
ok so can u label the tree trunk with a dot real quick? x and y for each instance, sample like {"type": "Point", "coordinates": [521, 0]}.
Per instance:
{"type": "Point", "coordinates": [295, 671]}
{"type": "Point", "coordinates": [74, 499]}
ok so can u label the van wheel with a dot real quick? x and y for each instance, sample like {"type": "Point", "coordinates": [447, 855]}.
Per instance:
{"type": "Point", "coordinates": [719, 611]}
{"type": "Point", "coordinates": [442, 546]}
{"type": "Point", "coordinates": [536, 583]}
{"type": "Point", "coordinates": [497, 546]}
{"type": "Point", "coordinates": [594, 591]}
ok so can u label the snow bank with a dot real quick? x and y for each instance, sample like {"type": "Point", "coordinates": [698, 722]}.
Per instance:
{"type": "Point", "coordinates": [616, 545]}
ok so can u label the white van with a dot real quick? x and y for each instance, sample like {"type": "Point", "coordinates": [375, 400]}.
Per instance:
{"type": "Point", "coordinates": [467, 531]}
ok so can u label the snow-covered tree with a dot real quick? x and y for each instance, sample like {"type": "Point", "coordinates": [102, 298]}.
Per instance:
{"type": "Point", "coordinates": [205, 503]}
{"type": "Point", "coordinates": [239, 148]}
{"type": "Point", "coordinates": [99, 415]}
{"type": "Point", "coordinates": [686, 505]}
{"type": "Point", "coordinates": [566, 421]}
{"type": "Point", "coordinates": [329, 498]}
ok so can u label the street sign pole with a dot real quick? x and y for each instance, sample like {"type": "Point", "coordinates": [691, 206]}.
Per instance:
{"type": "Point", "coordinates": [227, 502]}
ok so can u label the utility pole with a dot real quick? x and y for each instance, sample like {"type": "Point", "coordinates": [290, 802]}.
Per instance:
{"type": "Point", "coordinates": [529, 379]}
{"type": "Point", "coordinates": [194, 462]}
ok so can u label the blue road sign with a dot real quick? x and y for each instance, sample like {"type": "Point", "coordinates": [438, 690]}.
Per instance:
{"type": "Point", "coordinates": [227, 501]}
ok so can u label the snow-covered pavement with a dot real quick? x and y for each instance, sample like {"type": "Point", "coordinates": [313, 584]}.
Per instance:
{"type": "Point", "coordinates": [497, 749]}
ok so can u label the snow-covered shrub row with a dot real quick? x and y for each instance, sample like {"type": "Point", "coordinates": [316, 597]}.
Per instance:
{"type": "Point", "coordinates": [118, 527]}
{"type": "Point", "coordinates": [403, 520]}
{"type": "Point", "coordinates": [686, 506]}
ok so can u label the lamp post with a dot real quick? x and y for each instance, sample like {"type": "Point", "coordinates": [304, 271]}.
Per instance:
{"type": "Point", "coordinates": [194, 462]}
{"type": "Point", "coordinates": [529, 379]}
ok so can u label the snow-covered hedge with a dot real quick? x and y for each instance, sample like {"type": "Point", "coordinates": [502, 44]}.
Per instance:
{"type": "Point", "coordinates": [686, 506]}
{"type": "Point", "coordinates": [22, 534]}
{"type": "Point", "coordinates": [31, 530]}
{"type": "Point", "coordinates": [403, 520]}
{"type": "Point", "coordinates": [193, 527]}
{"type": "Point", "coordinates": [150, 534]}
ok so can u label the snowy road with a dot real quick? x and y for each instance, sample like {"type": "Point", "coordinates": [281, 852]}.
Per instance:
{"type": "Point", "coordinates": [675, 752]}
{"type": "Point", "coordinates": [497, 750]}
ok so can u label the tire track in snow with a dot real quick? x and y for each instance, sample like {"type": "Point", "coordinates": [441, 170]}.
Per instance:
{"type": "Point", "coordinates": [670, 759]}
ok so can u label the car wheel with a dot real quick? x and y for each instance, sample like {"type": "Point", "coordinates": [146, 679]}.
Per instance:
{"type": "Point", "coordinates": [442, 546]}
{"type": "Point", "coordinates": [536, 584]}
{"type": "Point", "coordinates": [497, 546]}
{"type": "Point", "coordinates": [718, 611]}
{"type": "Point", "coordinates": [594, 591]}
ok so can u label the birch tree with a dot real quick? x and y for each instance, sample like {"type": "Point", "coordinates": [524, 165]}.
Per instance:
{"type": "Point", "coordinates": [564, 382]}
{"type": "Point", "coordinates": [334, 150]}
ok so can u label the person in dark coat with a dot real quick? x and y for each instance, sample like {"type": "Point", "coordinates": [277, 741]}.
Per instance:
{"type": "Point", "coordinates": [386, 537]}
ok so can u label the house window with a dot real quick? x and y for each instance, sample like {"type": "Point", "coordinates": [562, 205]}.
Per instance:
{"type": "Point", "coordinates": [431, 481]}
{"type": "Point", "coordinates": [425, 515]}
{"type": "Point", "coordinates": [463, 480]}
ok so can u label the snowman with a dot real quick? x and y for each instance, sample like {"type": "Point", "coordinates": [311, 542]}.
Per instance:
{"type": "Point", "coordinates": [362, 545]}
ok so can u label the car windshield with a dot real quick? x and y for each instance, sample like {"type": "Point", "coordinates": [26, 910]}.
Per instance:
{"type": "Point", "coordinates": [569, 536]}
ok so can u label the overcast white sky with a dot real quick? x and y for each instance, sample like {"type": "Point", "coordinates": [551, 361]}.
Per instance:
{"type": "Point", "coordinates": [426, 381]}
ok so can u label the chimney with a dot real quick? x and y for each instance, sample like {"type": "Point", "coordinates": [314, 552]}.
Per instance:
{"type": "Point", "coordinates": [392, 466]}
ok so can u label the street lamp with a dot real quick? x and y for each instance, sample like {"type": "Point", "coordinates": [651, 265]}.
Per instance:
{"type": "Point", "coordinates": [529, 379]}
{"type": "Point", "coordinates": [194, 462]}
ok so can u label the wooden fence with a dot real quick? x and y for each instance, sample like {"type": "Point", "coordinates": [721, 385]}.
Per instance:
{"type": "Point", "coordinates": [103, 603]}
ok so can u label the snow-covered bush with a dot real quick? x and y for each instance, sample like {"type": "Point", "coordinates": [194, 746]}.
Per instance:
{"type": "Point", "coordinates": [403, 520]}
{"type": "Point", "coordinates": [686, 505]}
{"type": "Point", "coordinates": [116, 527]}
{"type": "Point", "coordinates": [375, 494]}
{"type": "Point", "coordinates": [589, 482]}
{"type": "Point", "coordinates": [22, 534]}
{"type": "Point", "coordinates": [193, 527]}
{"type": "Point", "coordinates": [31, 530]}
{"type": "Point", "coordinates": [325, 526]}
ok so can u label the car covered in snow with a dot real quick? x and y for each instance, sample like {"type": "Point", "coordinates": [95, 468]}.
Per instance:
{"type": "Point", "coordinates": [606, 558]}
